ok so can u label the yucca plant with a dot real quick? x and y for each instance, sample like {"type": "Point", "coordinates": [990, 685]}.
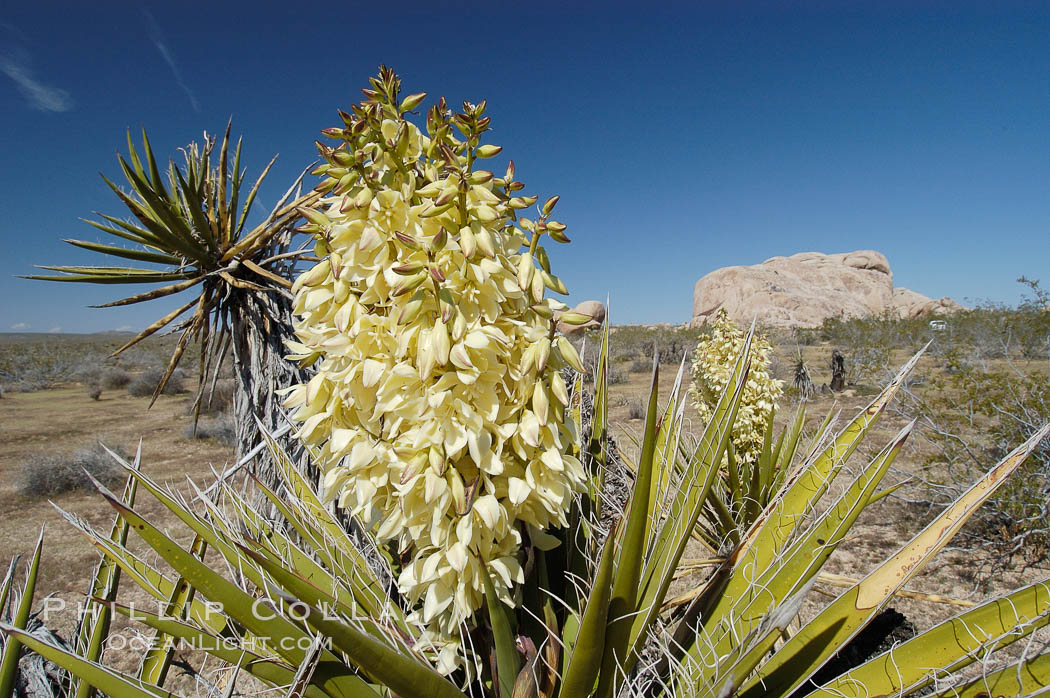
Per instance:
{"type": "Point", "coordinates": [189, 230]}
{"type": "Point", "coordinates": [561, 607]}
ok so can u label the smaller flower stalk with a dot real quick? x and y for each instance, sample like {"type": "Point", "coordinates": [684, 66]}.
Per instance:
{"type": "Point", "coordinates": [712, 370]}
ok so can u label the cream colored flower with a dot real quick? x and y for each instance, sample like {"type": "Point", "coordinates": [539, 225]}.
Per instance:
{"type": "Point", "coordinates": [713, 364]}
{"type": "Point", "coordinates": [433, 419]}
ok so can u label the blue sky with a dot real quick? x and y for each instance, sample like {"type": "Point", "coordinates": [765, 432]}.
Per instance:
{"type": "Point", "coordinates": [682, 137]}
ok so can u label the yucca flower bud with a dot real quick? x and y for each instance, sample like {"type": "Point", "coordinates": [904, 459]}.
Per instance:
{"type": "Point", "coordinates": [417, 427]}
{"type": "Point", "coordinates": [412, 101]}
{"type": "Point", "coordinates": [549, 204]}
{"type": "Point", "coordinates": [574, 318]}
{"type": "Point", "coordinates": [488, 151]}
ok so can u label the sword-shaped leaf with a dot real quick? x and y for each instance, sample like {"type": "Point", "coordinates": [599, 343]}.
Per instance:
{"type": "Point", "coordinates": [815, 642]}
{"type": "Point", "coordinates": [106, 680]}
{"type": "Point", "coordinates": [949, 646]}
{"type": "Point", "coordinates": [15, 636]}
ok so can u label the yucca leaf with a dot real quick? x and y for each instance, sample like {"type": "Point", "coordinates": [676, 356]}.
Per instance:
{"type": "Point", "coordinates": [687, 502]}
{"type": "Point", "coordinates": [667, 441]}
{"type": "Point", "coordinates": [799, 495]}
{"type": "Point", "coordinates": [815, 642]}
{"type": "Point", "coordinates": [780, 520]}
{"type": "Point", "coordinates": [130, 231]}
{"type": "Point", "coordinates": [157, 660]}
{"type": "Point", "coordinates": [294, 585]}
{"type": "Point", "coordinates": [154, 171]}
{"type": "Point", "coordinates": [95, 618]}
{"type": "Point", "coordinates": [13, 646]}
{"type": "Point", "coordinates": [1030, 678]}
{"type": "Point", "coordinates": [502, 623]}
{"type": "Point", "coordinates": [272, 630]}
{"type": "Point", "coordinates": [380, 662]}
{"type": "Point", "coordinates": [251, 197]}
{"type": "Point", "coordinates": [199, 526]}
{"type": "Point", "coordinates": [588, 646]}
{"type": "Point", "coordinates": [5, 586]}
{"type": "Point", "coordinates": [138, 255]}
{"type": "Point", "coordinates": [737, 665]}
{"type": "Point", "coordinates": [193, 206]}
{"type": "Point", "coordinates": [154, 327]}
{"type": "Point", "coordinates": [237, 604]}
{"type": "Point", "coordinates": [268, 228]}
{"type": "Point", "coordinates": [266, 274]}
{"type": "Point", "coordinates": [158, 206]}
{"type": "Point", "coordinates": [221, 216]}
{"type": "Point", "coordinates": [166, 238]}
{"type": "Point", "coordinates": [142, 573]}
{"type": "Point", "coordinates": [269, 670]}
{"type": "Point", "coordinates": [103, 276]}
{"type": "Point", "coordinates": [154, 293]}
{"type": "Point", "coordinates": [109, 682]}
{"type": "Point", "coordinates": [734, 617]}
{"type": "Point", "coordinates": [198, 318]}
{"type": "Point", "coordinates": [231, 228]}
{"type": "Point", "coordinates": [629, 561]}
{"type": "Point", "coordinates": [949, 646]}
{"type": "Point", "coordinates": [599, 416]}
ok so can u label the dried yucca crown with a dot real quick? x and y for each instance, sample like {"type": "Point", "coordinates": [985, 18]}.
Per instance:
{"type": "Point", "coordinates": [437, 409]}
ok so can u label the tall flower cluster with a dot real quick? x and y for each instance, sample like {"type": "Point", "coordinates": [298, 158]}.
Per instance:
{"type": "Point", "coordinates": [713, 364]}
{"type": "Point", "coordinates": [437, 410]}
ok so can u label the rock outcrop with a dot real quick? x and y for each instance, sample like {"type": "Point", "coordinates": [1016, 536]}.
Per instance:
{"type": "Point", "coordinates": [910, 304]}
{"type": "Point", "coordinates": [596, 309]}
{"type": "Point", "coordinates": [806, 288]}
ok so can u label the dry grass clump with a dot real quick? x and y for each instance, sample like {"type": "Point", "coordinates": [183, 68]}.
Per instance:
{"type": "Point", "coordinates": [221, 429]}
{"type": "Point", "coordinates": [114, 379]}
{"type": "Point", "coordinates": [640, 366]}
{"type": "Point", "coordinates": [636, 409]}
{"type": "Point", "coordinates": [145, 383]}
{"type": "Point", "coordinates": [45, 475]}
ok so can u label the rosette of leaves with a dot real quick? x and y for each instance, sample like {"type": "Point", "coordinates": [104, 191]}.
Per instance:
{"type": "Point", "coordinates": [437, 412]}
{"type": "Point", "coordinates": [188, 234]}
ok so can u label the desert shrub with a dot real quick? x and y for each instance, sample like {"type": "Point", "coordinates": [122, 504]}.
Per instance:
{"type": "Point", "coordinates": [636, 409]}
{"type": "Point", "coordinates": [640, 366]}
{"type": "Point", "coordinates": [617, 377]}
{"type": "Point", "coordinates": [221, 429]}
{"type": "Point", "coordinates": [145, 383]}
{"type": "Point", "coordinates": [89, 374]}
{"type": "Point", "coordinates": [47, 474]}
{"type": "Point", "coordinates": [95, 392]}
{"type": "Point", "coordinates": [973, 415]}
{"type": "Point", "coordinates": [115, 379]}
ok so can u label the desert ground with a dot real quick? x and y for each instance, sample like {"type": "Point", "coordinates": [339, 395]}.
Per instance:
{"type": "Point", "coordinates": [64, 417]}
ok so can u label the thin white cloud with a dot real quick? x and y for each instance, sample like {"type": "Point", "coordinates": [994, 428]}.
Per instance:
{"type": "Point", "coordinates": [19, 326]}
{"type": "Point", "coordinates": [158, 40]}
{"type": "Point", "coordinates": [55, 330]}
{"type": "Point", "coordinates": [40, 96]}
{"type": "Point", "coordinates": [125, 328]}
